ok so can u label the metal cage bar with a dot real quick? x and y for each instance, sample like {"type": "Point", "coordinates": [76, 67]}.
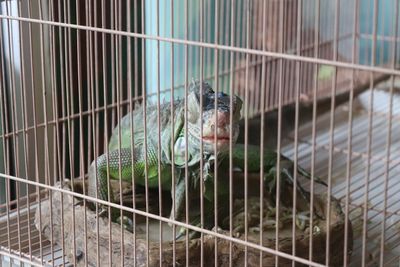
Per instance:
{"type": "Point", "coordinates": [319, 84]}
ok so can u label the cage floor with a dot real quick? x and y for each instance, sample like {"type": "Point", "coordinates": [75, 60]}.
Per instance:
{"type": "Point", "coordinates": [367, 178]}
{"type": "Point", "coordinates": [17, 238]}
{"type": "Point", "coordinates": [366, 183]}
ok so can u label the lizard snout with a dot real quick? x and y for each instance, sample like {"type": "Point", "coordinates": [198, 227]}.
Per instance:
{"type": "Point", "coordinates": [221, 119]}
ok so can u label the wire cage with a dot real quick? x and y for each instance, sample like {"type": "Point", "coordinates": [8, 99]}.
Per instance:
{"type": "Point", "coordinates": [319, 83]}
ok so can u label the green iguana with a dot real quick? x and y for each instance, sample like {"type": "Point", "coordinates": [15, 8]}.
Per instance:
{"type": "Point", "coordinates": [173, 139]}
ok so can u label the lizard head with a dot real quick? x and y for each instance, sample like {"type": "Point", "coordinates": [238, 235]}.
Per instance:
{"type": "Point", "coordinates": [215, 117]}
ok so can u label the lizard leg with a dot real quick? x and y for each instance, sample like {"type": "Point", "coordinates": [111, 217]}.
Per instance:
{"type": "Point", "coordinates": [101, 183]}
{"type": "Point", "coordinates": [208, 221]}
{"type": "Point", "coordinates": [272, 173]}
{"type": "Point", "coordinates": [178, 200]}
{"type": "Point", "coordinates": [289, 178]}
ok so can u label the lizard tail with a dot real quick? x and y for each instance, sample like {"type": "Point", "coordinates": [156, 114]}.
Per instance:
{"type": "Point", "coordinates": [307, 175]}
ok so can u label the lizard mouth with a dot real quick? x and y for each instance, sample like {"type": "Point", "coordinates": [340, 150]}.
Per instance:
{"type": "Point", "coordinates": [219, 138]}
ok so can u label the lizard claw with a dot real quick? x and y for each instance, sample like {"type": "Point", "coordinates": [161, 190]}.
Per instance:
{"type": "Point", "coordinates": [218, 230]}
{"type": "Point", "coordinates": [79, 202]}
{"type": "Point", "coordinates": [102, 212]}
{"type": "Point", "coordinates": [180, 233]}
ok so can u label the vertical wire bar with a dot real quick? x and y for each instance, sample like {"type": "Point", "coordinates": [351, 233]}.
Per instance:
{"type": "Point", "coordinates": [114, 96]}
{"type": "Point", "coordinates": [208, 37]}
{"type": "Point", "coordinates": [35, 130]}
{"type": "Point", "coordinates": [255, 62]}
{"type": "Point", "coordinates": [159, 130]}
{"type": "Point", "coordinates": [226, 42]}
{"type": "Point", "coordinates": [90, 116]}
{"type": "Point", "coordinates": [53, 91]}
{"type": "Point", "coordinates": [63, 168]}
{"type": "Point", "coordinates": [5, 144]}
{"type": "Point", "coordinates": [7, 193]}
{"type": "Point", "coordinates": [296, 128]}
{"type": "Point", "coordinates": [388, 139]}
{"type": "Point", "coordinates": [246, 129]}
{"type": "Point", "coordinates": [332, 132]}
{"type": "Point", "coordinates": [252, 58]}
{"type": "Point", "coordinates": [231, 93]}
{"type": "Point", "coordinates": [46, 129]}
{"type": "Point", "coordinates": [71, 125]}
{"type": "Point", "coordinates": [186, 4]}
{"type": "Point", "coordinates": [131, 108]}
{"type": "Point", "coordinates": [89, 89]}
{"type": "Point", "coordinates": [382, 40]}
{"type": "Point", "coordinates": [242, 41]}
{"type": "Point", "coordinates": [201, 39]}
{"type": "Point", "coordinates": [172, 133]}
{"type": "Point", "coordinates": [55, 126]}
{"type": "Point", "coordinates": [89, 82]}
{"type": "Point", "coordinates": [69, 110]}
{"type": "Point", "coordinates": [12, 112]}
{"type": "Point", "coordinates": [3, 98]}
{"type": "Point", "coordinates": [136, 53]}
{"type": "Point", "coordinates": [114, 93]}
{"type": "Point", "coordinates": [4, 126]}
{"type": "Point", "coordinates": [90, 94]}
{"type": "Point", "coordinates": [279, 135]}
{"type": "Point", "coordinates": [369, 139]}
{"type": "Point", "coordinates": [112, 120]}
{"type": "Point", "coordinates": [145, 131]}
{"type": "Point", "coordinates": [106, 119]}
{"type": "Point", "coordinates": [24, 125]}
{"type": "Point", "coordinates": [293, 16]}
{"type": "Point", "coordinates": [96, 123]}
{"type": "Point", "coordinates": [216, 80]}
{"type": "Point", "coordinates": [225, 38]}
{"type": "Point", "coordinates": [368, 37]}
{"type": "Point", "coordinates": [113, 18]}
{"type": "Point", "coordinates": [314, 122]}
{"type": "Point", "coordinates": [80, 107]}
{"type": "Point", "coordinates": [136, 94]}
{"type": "Point", "coordinates": [349, 140]}
{"type": "Point", "coordinates": [14, 118]}
{"type": "Point", "coordinates": [65, 108]}
{"type": "Point", "coordinates": [386, 175]}
{"type": "Point", "coordinates": [43, 76]}
{"type": "Point", "coordinates": [274, 6]}
{"type": "Point", "coordinates": [119, 88]}
{"type": "Point", "coordinates": [262, 125]}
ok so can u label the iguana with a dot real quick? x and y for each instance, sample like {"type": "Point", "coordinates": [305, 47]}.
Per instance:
{"type": "Point", "coordinates": [173, 138]}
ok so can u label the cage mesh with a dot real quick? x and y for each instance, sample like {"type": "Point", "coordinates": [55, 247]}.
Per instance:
{"type": "Point", "coordinates": [319, 81]}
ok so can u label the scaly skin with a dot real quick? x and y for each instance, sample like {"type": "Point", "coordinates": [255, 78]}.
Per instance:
{"type": "Point", "coordinates": [253, 166]}
{"type": "Point", "coordinates": [270, 163]}
{"type": "Point", "coordinates": [172, 138]}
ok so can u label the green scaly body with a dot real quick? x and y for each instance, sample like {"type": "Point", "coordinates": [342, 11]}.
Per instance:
{"type": "Point", "coordinates": [171, 131]}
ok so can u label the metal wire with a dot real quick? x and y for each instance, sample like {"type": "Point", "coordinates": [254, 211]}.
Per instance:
{"type": "Point", "coordinates": [376, 69]}
{"type": "Point", "coordinates": [70, 71]}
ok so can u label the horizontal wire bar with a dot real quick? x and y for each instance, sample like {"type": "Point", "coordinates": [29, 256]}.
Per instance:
{"type": "Point", "coordinates": [19, 258]}
{"type": "Point", "coordinates": [166, 220]}
{"type": "Point", "coordinates": [214, 46]}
